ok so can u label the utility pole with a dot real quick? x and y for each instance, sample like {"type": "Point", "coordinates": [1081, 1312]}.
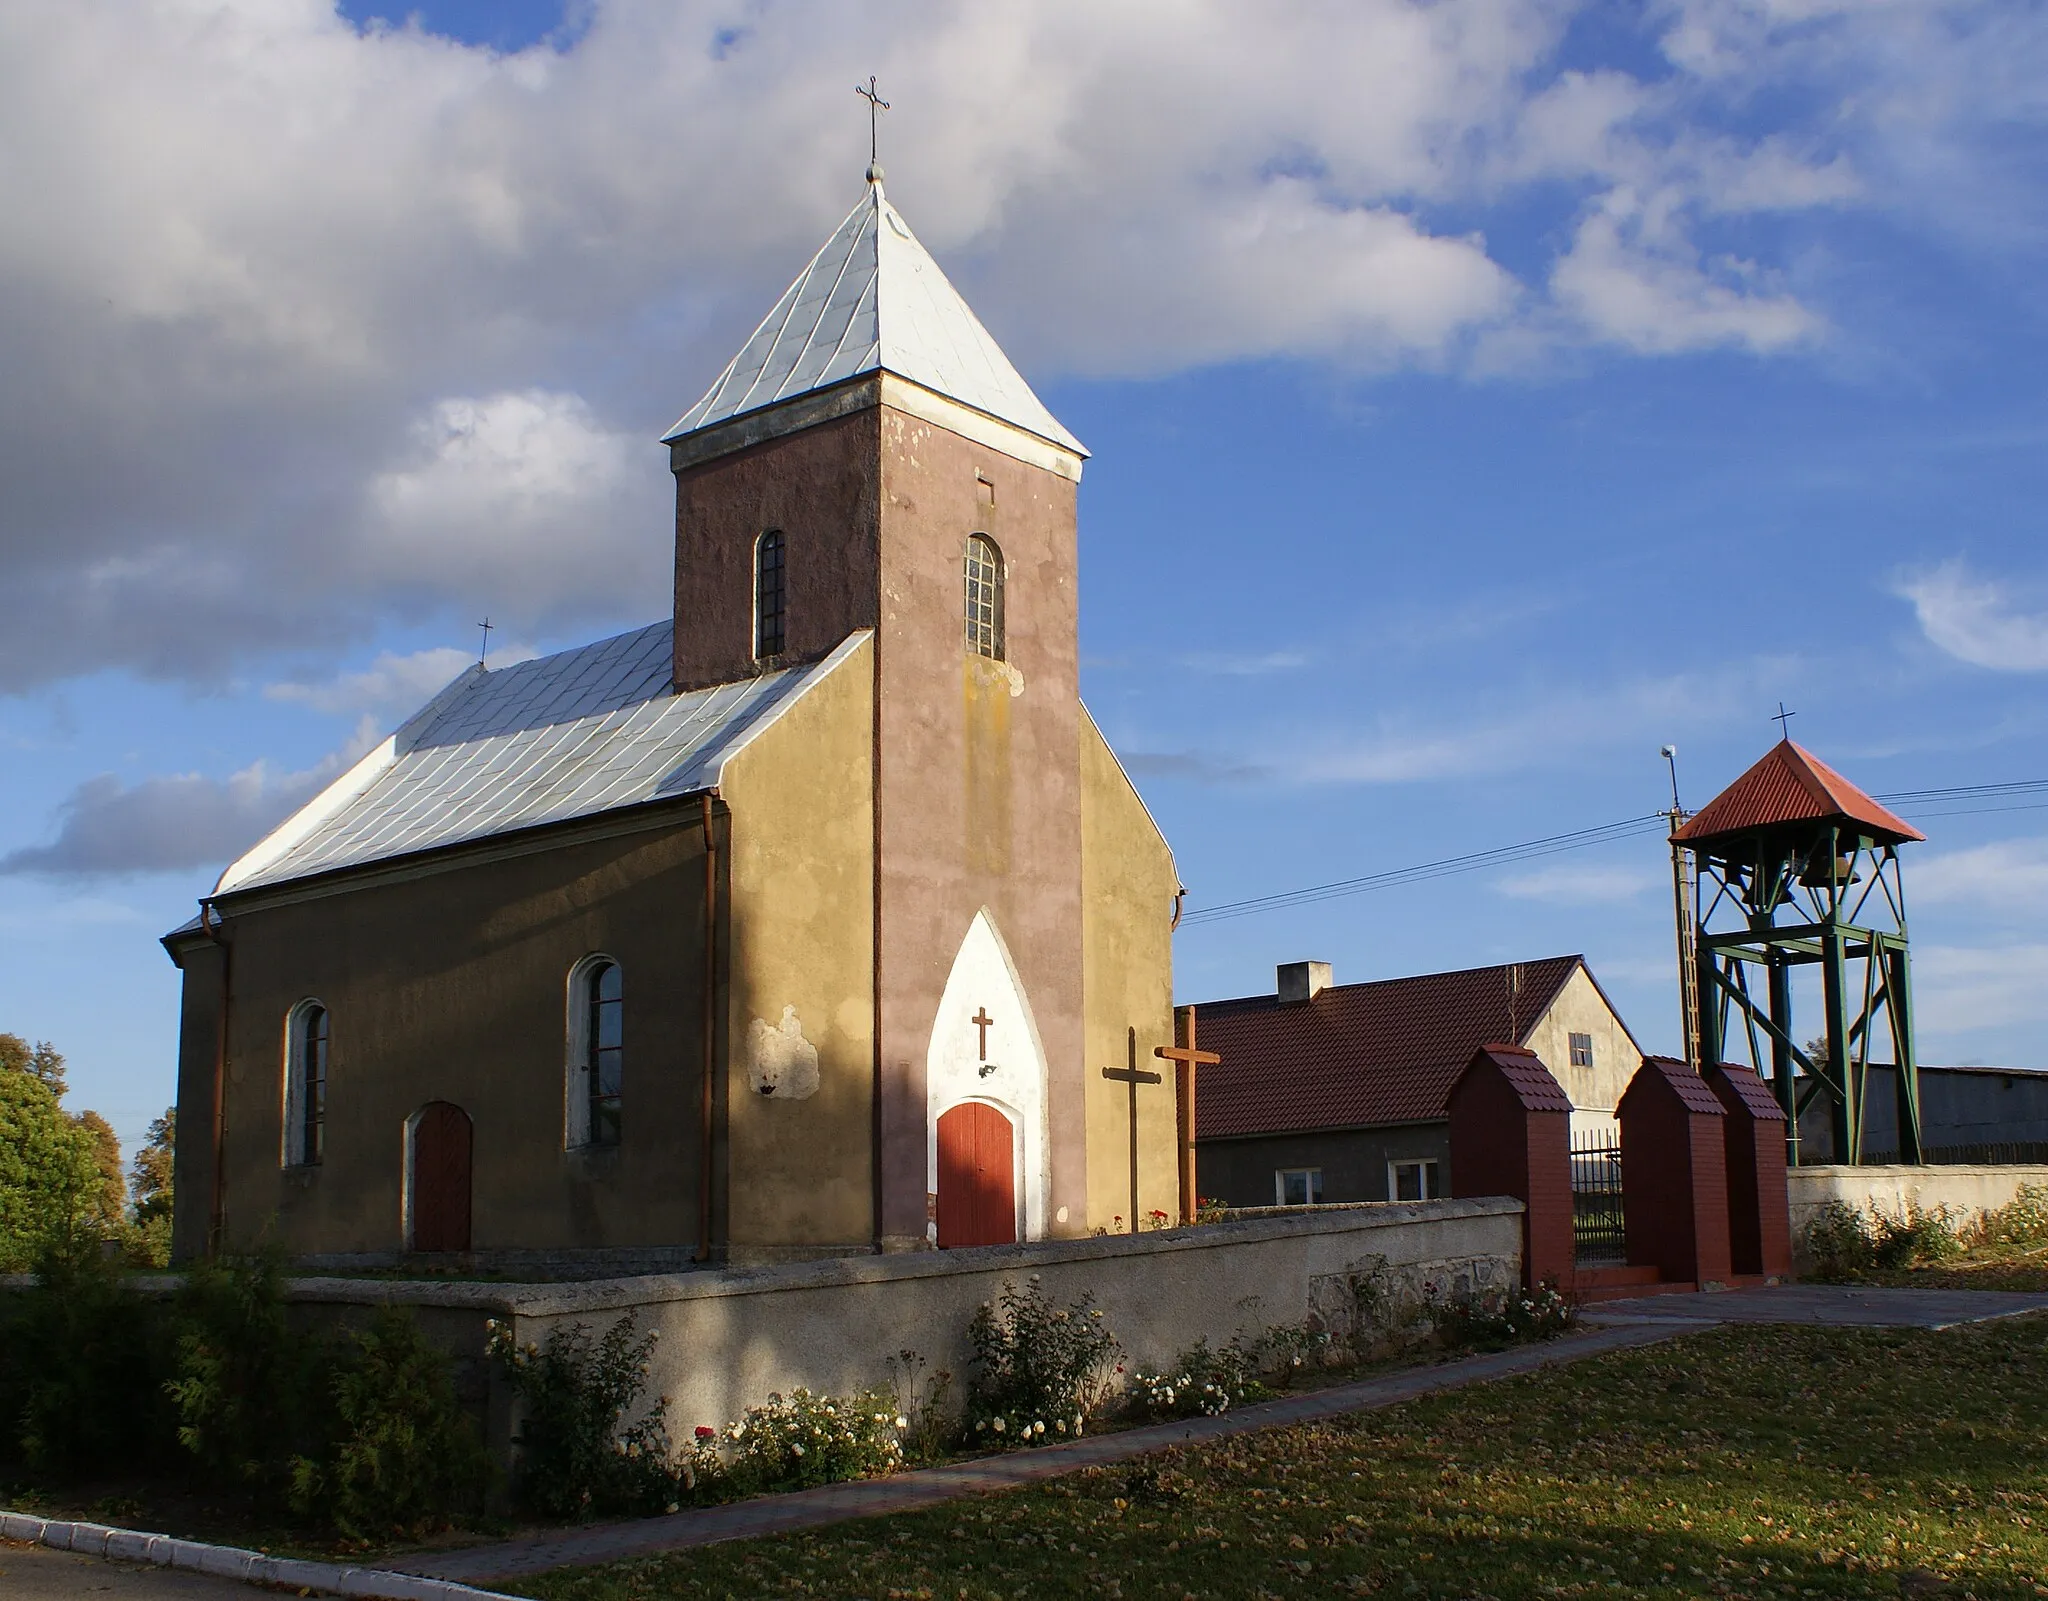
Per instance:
{"type": "Point", "coordinates": [1688, 926]}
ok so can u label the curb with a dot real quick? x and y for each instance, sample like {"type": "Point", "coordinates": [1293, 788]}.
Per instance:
{"type": "Point", "coordinates": [230, 1562]}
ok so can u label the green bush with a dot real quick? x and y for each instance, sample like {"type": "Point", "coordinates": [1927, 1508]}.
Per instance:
{"type": "Point", "coordinates": [2021, 1222]}
{"type": "Point", "coordinates": [1038, 1367]}
{"type": "Point", "coordinates": [83, 1361]}
{"type": "Point", "coordinates": [1844, 1242]}
{"type": "Point", "coordinates": [246, 1384]}
{"type": "Point", "coordinates": [1200, 1383]}
{"type": "Point", "coordinates": [793, 1442]}
{"type": "Point", "coordinates": [578, 1457]}
{"type": "Point", "coordinates": [1500, 1320]}
{"type": "Point", "coordinates": [398, 1453]}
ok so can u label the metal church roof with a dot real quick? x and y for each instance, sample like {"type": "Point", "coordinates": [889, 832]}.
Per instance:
{"type": "Point", "coordinates": [873, 300]}
{"type": "Point", "coordinates": [572, 735]}
{"type": "Point", "coordinates": [1792, 785]}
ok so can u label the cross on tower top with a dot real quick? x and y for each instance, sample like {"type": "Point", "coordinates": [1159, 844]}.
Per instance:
{"type": "Point", "coordinates": [1783, 719]}
{"type": "Point", "coordinates": [876, 106]}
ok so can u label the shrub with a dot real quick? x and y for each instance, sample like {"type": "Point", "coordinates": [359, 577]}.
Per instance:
{"type": "Point", "coordinates": [794, 1442]}
{"type": "Point", "coordinates": [1038, 1367]}
{"type": "Point", "coordinates": [398, 1454]}
{"type": "Point", "coordinates": [1914, 1236]}
{"type": "Point", "coordinates": [1202, 1382]}
{"type": "Point", "coordinates": [2022, 1221]}
{"type": "Point", "coordinates": [1842, 1241]}
{"type": "Point", "coordinates": [578, 1458]}
{"type": "Point", "coordinates": [246, 1383]}
{"type": "Point", "coordinates": [922, 1402]}
{"type": "Point", "coordinates": [83, 1360]}
{"type": "Point", "coordinates": [1494, 1321]}
{"type": "Point", "coordinates": [1838, 1242]}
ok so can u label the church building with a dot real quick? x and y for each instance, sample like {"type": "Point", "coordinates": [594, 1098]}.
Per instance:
{"type": "Point", "coordinates": [809, 921]}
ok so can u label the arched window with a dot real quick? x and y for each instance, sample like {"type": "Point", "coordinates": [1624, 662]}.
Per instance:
{"type": "Point", "coordinates": [596, 1038]}
{"type": "Point", "coordinates": [305, 1085]}
{"type": "Point", "coordinates": [982, 571]}
{"type": "Point", "coordinates": [771, 599]}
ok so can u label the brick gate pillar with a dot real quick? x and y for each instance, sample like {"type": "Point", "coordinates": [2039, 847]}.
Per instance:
{"type": "Point", "coordinates": [1674, 1174]}
{"type": "Point", "coordinates": [1511, 1134]}
{"type": "Point", "coordinates": [1759, 1216]}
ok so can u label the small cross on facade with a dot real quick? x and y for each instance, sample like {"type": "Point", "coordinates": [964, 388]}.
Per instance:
{"type": "Point", "coordinates": [1783, 719]}
{"type": "Point", "coordinates": [981, 1020]}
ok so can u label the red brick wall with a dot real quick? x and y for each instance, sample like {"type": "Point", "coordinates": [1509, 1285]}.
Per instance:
{"type": "Point", "coordinates": [1500, 1147]}
{"type": "Point", "coordinates": [1674, 1180]}
{"type": "Point", "coordinates": [1759, 1221]}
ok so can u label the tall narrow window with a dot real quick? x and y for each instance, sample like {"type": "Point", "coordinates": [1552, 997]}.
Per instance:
{"type": "Point", "coordinates": [983, 575]}
{"type": "Point", "coordinates": [596, 1055]}
{"type": "Point", "coordinates": [770, 597]}
{"type": "Point", "coordinates": [305, 1085]}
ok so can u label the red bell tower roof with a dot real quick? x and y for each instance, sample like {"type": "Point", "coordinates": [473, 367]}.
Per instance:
{"type": "Point", "coordinates": [1793, 786]}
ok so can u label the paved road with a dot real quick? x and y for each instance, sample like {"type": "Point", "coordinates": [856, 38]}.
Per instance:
{"type": "Point", "coordinates": [1831, 1305]}
{"type": "Point", "coordinates": [36, 1573]}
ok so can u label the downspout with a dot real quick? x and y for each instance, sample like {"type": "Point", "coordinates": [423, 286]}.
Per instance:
{"type": "Point", "coordinates": [710, 1027]}
{"type": "Point", "coordinates": [215, 928]}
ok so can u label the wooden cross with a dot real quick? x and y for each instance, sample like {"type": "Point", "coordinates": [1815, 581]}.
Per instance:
{"type": "Point", "coordinates": [876, 105]}
{"type": "Point", "coordinates": [1133, 1076]}
{"type": "Point", "coordinates": [1186, 1059]}
{"type": "Point", "coordinates": [981, 1021]}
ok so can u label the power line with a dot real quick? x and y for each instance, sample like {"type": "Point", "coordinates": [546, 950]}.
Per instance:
{"type": "Point", "coordinates": [1580, 839]}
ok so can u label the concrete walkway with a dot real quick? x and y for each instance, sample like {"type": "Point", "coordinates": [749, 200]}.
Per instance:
{"type": "Point", "coordinates": [36, 1573]}
{"type": "Point", "coordinates": [905, 1492]}
{"type": "Point", "coordinates": [1832, 1305]}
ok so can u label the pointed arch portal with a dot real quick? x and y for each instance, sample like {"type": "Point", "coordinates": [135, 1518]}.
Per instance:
{"type": "Point", "coordinates": [985, 1101]}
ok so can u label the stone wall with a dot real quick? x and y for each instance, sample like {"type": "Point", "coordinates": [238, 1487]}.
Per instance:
{"type": "Point", "coordinates": [727, 1339]}
{"type": "Point", "coordinates": [1968, 1192]}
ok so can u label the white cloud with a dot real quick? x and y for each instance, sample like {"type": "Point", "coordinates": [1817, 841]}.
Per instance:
{"type": "Point", "coordinates": [382, 322]}
{"type": "Point", "coordinates": [1574, 884]}
{"type": "Point", "coordinates": [390, 684]}
{"type": "Point", "coordinates": [175, 822]}
{"type": "Point", "coordinates": [1245, 664]}
{"type": "Point", "coordinates": [1976, 619]}
{"type": "Point", "coordinates": [1958, 988]}
{"type": "Point", "coordinates": [2008, 875]}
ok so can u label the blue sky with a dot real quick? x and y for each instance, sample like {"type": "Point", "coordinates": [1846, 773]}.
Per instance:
{"type": "Point", "coordinates": [1481, 395]}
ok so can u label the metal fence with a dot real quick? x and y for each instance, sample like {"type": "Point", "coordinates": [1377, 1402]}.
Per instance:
{"type": "Point", "coordinates": [1596, 1195]}
{"type": "Point", "coordinates": [2007, 1154]}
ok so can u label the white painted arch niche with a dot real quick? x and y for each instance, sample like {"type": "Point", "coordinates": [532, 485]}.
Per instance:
{"type": "Point", "coordinates": [1007, 1072]}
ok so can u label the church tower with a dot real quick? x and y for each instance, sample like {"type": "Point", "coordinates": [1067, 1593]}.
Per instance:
{"type": "Point", "coordinates": [871, 461]}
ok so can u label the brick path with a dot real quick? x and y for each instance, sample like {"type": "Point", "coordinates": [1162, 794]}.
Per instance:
{"type": "Point", "coordinates": [904, 1492]}
{"type": "Point", "coordinates": [1836, 1305]}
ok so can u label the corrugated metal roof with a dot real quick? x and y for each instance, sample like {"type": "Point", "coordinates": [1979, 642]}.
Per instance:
{"type": "Point", "coordinates": [1792, 785]}
{"type": "Point", "coordinates": [1361, 1055]}
{"type": "Point", "coordinates": [1691, 1090]}
{"type": "Point", "coordinates": [1526, 1076]}
{"type": "Point", "coordinates": [572, 735]}
{"type": "Point", "coordinates": [1754, 1094]}
{"type": "Point", "coordinates": [873, 299]}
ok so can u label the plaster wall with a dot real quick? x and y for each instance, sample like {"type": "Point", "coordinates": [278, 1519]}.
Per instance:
{"type": "Point", "coordinates": [726, 1339]}
{"type": "Point", "coordinates": [1968, 1192]}
{"type": "Point", "coordinates": [450, 981]}
{"type": "Point", "coordinates": [1128, 883]}
{"type": "Point", "coordinates": [1580, 1008]}
{"type": "Point", "coordinates": [799, 1090]}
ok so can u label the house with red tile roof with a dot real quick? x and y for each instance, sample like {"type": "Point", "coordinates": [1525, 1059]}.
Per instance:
{"type": "Point", "coordinates": [1337, 1092]}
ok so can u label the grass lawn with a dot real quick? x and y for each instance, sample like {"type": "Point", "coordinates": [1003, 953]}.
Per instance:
{"type": "Point", "coordinates": [1766, 1462]}
{"type": "Point", "coordinates": [1985, 1268]}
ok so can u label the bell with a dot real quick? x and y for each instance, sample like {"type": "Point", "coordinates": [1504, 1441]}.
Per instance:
{"type": "Point", "coordinates": [1816, 874]}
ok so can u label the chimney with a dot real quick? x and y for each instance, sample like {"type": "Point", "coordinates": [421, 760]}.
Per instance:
{"type": "Point", "coordinates": [1303, 981]}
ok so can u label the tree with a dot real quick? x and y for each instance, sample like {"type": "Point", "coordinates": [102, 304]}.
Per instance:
{"type": "Point", "coordinates": [41, 1060]}
{"type": "Point", "coordinates": [51, 1179]}
{"type": "Point", "coordinates": [150, 1183]}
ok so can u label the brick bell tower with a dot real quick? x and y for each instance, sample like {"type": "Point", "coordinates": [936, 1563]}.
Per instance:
{"type": "Point", "coordinates": [872, 460]}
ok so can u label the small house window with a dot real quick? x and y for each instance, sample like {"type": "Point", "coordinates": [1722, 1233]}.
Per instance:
{"type": "Point", "coordinates": [305, 1085]}
{"type": "Point", "coordinates": [1582, 1050]}
{"type": "Point", "coordinates": [1298, 1186]}
{"type": "Point", "coordinates": [770, 597]}
{"type": "Point", "coordinates": [982, 571]}
{"type": "Point", "coordinates": [596, 1052]}
{"type": "Point", "coordinates": [1415, 1181]}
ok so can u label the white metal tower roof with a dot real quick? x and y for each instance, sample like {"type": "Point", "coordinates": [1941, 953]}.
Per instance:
{"type": "Point", "coordinates": [874, 300]}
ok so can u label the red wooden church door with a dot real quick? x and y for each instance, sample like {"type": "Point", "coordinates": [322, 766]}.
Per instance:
{"type": "Point", "coordinates": [441, 1140]}
{"type": "Point", "coordinates": [977, 1181]}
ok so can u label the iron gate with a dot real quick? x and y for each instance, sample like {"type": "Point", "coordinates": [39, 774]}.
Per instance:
{"type": "Point", "coordinates": [1596, 1195]}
